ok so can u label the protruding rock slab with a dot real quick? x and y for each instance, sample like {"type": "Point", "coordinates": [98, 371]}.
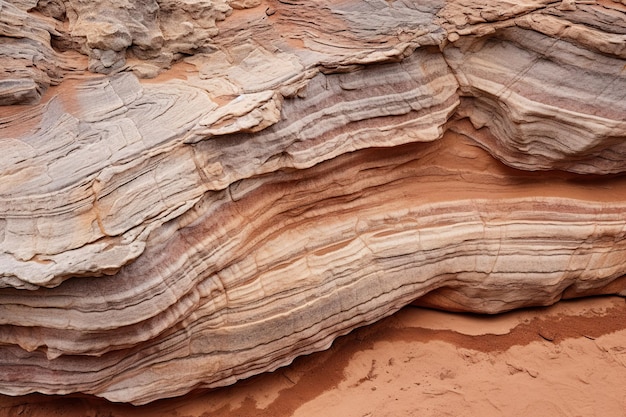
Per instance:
{"type": "Point", "coordinates": [280, 265]}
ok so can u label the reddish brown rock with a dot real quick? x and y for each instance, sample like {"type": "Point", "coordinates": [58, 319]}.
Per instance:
{"type": "Point", "coordinates": [293, 170]}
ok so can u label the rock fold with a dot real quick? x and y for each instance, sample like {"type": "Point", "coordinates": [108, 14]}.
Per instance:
{"type": "Point", "coordinates": [194, 192]}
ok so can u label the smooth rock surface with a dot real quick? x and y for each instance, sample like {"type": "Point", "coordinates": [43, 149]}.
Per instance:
{"type": "Point", "coordinates": [249, 180]}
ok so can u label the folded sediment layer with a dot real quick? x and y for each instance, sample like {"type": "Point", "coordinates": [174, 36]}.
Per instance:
{"type": "Point", "coordinates": [304, 169]}
{"type": "Point", "coordinates": [82, 191]}
{"type": "Point", "coordinates": [280, 265]}
{"type": "Point", "coordinates": [547, 79]}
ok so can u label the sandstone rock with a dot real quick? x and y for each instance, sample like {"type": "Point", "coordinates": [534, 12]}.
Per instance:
{"type": "Point", "coordinates": [544, 79]}
{"type": "Point", "coordinates": [28, 64]}
{"type": "Point", "coordinates": [296, 174]}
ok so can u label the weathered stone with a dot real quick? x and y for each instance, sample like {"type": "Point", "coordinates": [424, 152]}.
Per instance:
{"type": "Point", "coordinates": [293, 171]}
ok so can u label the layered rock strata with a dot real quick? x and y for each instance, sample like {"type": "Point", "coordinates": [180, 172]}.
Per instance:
{"type": "Point", "coordinates": [298, 169]}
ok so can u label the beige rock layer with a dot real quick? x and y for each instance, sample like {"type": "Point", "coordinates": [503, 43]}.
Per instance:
{"type": "Point", "coordinates": [94, 183]}
{"type": "Point", "coordinates": [311, 168]}
{"type": "Point", "coordinates": [568, 359]}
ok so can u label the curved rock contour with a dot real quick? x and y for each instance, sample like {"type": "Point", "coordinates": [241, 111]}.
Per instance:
{"type": "Point", "coordinates": [291, 172]}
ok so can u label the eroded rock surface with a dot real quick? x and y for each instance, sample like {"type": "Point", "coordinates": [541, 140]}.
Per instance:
{"type": "Point", "coordinates": [249, 180]}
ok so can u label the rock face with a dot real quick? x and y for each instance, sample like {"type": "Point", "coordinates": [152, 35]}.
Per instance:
{"type": "Point", "coordinates": [247, 180]}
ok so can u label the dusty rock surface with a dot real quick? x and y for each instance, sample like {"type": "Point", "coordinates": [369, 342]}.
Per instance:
{"type": "Point", "coordinates": [566, 360]}
{"type": "Point", "coordinates": [196, 192]}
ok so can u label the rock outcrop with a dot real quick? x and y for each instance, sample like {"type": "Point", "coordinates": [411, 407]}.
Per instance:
{"type": "Point", "coordinates": [245, 181]}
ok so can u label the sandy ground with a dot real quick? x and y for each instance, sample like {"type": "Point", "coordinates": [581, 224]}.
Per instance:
{"type": "Point", "coordinates": [565, 360]}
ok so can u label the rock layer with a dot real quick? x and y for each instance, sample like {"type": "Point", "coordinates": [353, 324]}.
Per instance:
{"type": "Point", "coordinates": [312, 167]}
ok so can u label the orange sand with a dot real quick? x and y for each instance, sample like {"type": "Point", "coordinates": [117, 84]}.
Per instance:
{"type": "Point", "coordinates": [564, 360]}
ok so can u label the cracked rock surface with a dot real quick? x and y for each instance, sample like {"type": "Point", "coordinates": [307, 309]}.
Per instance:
{"type": "Point", "coordinates": [194, 192]}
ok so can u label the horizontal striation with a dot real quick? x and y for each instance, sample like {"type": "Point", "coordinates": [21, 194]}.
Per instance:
{"type": "Point", "coordinates": [84, 202]}
{"type": "Point", "coordinates": [547, 81]}
{"type": "Point", "coordinates": [301, 169]}
{"type": "Point", "coordinates": [280, 265]}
